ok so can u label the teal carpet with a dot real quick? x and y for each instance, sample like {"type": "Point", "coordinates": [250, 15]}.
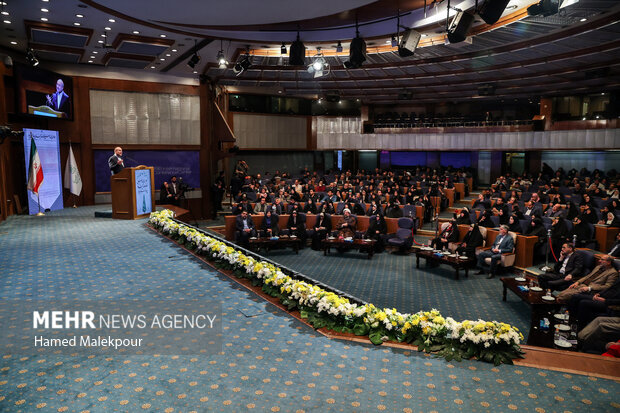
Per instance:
{"type": "Point", "coordinates": [269, 361]}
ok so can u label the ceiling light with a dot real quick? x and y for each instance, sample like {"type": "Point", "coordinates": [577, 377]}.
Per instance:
{"type": "Point", "coordinates": [107, 28]}
{"type": "Point", "coordinates": [45, 10]}
{"type": "Point", "coordinates": [94, 52]}
{"type": "Point", "coordinates": [174, 50]}
{"type": "Point", "coordinates": [338, 48]}
{"type": "Point", "coordinates": [136, 32]}
{"type": "Point", "coordinates": [221, 59]}
{"type": "Point", "coordinates": [31, 57]}
{"type": "Point", "coordinates": [168, 55]}
{"type": "Point", "coordinates": [90, 61]}
{"type": "Point", "coordinates": [583, 19]}
{"type": "Point", "coordinates": [43, 19]}
{"type": "Point", "coordinates": [195, 71]}
{"type": "Point", "coordinates": [162, 59]}
{"type": "Point", "coordinates": [7, 21]}
{"type": "Point", "coordinates": [100, 41]}
{"type": "Point", "coordinates": [5, 13]}
{"type": "Point", "coordinates": [162, 35]}
{"type": "Point", "coordinates": [76, 24]}
{"type": "Point", "coordinates": [92, 57]}
{"type": "Point", "coordinates": [104, 35]}
{"type": "Point", "coordinates": [44, 1]}
{"type": "Point", "coordinates": [13, 42]}
{"type": "Point", "coordinates": [112, 20]}
{"type": "Point", "coordinates": [152, 67]}
{"type": "Point", "coordinates": [79, 16]}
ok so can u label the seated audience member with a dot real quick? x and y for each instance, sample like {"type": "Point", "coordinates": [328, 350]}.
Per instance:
{"type": "Point", "coordinates": [537, 229]}
{"type": "Point", "coordinates": [585, 307]}
{"type": "Point", "coordinates": [347, 224]}
{"type": "Point", "coordinates": [449, 234]}
{"type": "Point", "coordinates": [501, 210]}
{"type": "Point", "coordinates": [297, 225]}
{"type": "Point", "coordinates": [555, 211]}
{"type": "Point", "coordinates": [600, 332]}
{"type": "Point", "coordinates": [373, 210]}
{"type": "Point", "coordinates": [588, 215]}
{"type": "Point", "coordinates": [327, 207]}
{"type": "Point", "coordinates": [393, 209]}
{"type": "Point", "coordinates": [568, 268]}
{"type": "Point", "coordinates": [261, 207]}
{"type": "Point", "coordinates": [472, 240]}
{"type": "Point", "coordinates": [269, 226]}
{"type": "Point", "coordinates": [583, 232]}
{"type": "Point", "coordinates": [244, 227]}
{"type": "Point", "coordinates": [322, 229]}
{"type": "Point", "coordinates": [573, 211]}
{"type": "Point", "coordinates": [377, 229]}
{"type": "Point", "coordinates": [481, 203]}
{"type": "Point", "coordinates": [532, 210]}
{"type": "Point", "coordinates": [462, 217]}
{"type": "Point", "coordinates": [602, 277]}
{"type": "Point", "coordinates": [559, 234]}
{"type": "Point", "coordinates": [503, 244]}
{"type": "Point", "coordinates": [244, 205]}
{"type": "Point", "coordinates": [610, 220]}
{"type": "Point", "coordinates": [277, 207]}
{"type": "Point", "coordinates": [485, 219]}
{"type": "Point", "coordinates": [165, 196]}
{"type": "Point", "coordinates": [513, 224]}
{"type": "Point", "coordinates": [310, 207]}
{"type": "Point", "coordinates": [356, 208]}
{"type": "Point", "coordinates": [614, 250]}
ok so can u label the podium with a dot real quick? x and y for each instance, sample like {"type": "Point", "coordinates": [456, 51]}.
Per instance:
{"type": "Point", "coordinates": [45, 110]}
{"type": "Point", "coordinates": [133, 193]}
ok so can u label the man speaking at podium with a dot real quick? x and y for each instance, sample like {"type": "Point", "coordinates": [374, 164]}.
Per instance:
{"type": "Point", "coordinates": [116, 161]}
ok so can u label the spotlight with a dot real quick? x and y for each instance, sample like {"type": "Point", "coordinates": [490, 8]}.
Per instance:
{"type": "Point", "coordinates": [394, 41]}
{"type": "Point", "coordinates": [283, 49]}
{"type": "Point", "coordinates": [297, 53]}
{"type": "Point", "coordinates": [319, 66]}
{"type": "Point", "coordinates": [357, 53]}
{"type": "Point", "coordinates": [339, 47]}
{"type": "Point", "coordinates": [221, 59]}
{"type": "Point", "coordinates": [193, 61]}
{"type": "Point", "coordinates": [544, 8]}
{"type": "Point", "coordinates": [31, 57]}
{"type": "Point", "coordinates": [242, 65]}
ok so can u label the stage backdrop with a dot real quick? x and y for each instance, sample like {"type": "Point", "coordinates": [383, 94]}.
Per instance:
{"type": "Point", "coordinates": [50, 191]}
{"type": "Point", "coordinates": [182, 164]}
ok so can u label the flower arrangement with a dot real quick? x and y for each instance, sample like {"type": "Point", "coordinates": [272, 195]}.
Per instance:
{"type": "Point", "coordinates": [489, 341]}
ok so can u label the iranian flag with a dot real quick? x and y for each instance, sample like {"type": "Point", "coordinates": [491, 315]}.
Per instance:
{"type": "Point", "coordinates": [35, 179]}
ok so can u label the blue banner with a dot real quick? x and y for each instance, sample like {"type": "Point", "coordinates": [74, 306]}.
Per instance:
{"type": "Point", "coordinates": [182, 164]}
{"type": "Point", "coordinates": [143, 192]}
{"type": "Point", "coordinates": [50, 191]}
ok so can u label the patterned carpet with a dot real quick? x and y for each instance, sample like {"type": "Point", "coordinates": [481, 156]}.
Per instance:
{"type": "Point", "coordinates": [269, 361]}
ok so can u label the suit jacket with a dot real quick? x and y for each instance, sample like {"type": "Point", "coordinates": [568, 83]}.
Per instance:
{"type": "Point", "coordinates": [262, 208]}
{"type": "Point", "coordinates": [239, 222]}
{"type": "Point", "coordinates": [115, 166]}
{"type": "Point", "coordinates": [614, 251]}
{"type": "Point", "coordinates": [507, 244]}
{"type": "Point", "coordinates": [602, 281]}
{"type": "Point", "coordinates": [64, 102]}
{"type": "Point", "coordinates": [574, 266]}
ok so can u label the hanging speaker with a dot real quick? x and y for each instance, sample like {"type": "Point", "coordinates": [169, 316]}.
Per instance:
{"type": "Point", "coordinates": [459, 27]}
{"type": "Point", "coordinates": [297, 54]}
{"type": "Point", "coordinates": [408, 43]}
{"type": "Point", "coordinates": [491, 10]}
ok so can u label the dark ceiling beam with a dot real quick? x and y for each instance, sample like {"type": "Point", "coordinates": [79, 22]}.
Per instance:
{"type": "Point", "coordinates": [199, 46]}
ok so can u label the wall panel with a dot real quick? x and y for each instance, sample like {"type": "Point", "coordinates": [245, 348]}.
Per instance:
{"type": "Point", "coordinates": [265, 131]}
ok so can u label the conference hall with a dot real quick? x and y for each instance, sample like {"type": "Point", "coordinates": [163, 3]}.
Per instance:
{"type": "Point", "coordinates": [310, 206]}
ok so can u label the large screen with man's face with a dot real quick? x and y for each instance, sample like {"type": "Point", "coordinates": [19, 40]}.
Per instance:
{"type": "Point", "coordinates": [44, 93]}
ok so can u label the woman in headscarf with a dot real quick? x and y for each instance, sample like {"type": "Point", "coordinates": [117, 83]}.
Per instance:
{"type": "Point", "coordinates": [472, 240]}
{"type": "Point", "coordinates": [559, 233]}
{"type": "Point", "coordinates": [513, 224]}
{"type": "Point", "coordinates": [297, 226]}
{"type": "Point", "coordinates": [583, 232]}
{"type": "Point", "coordinates": [485, 219]}
{"type": "Point", "coordinates": [462, 218]}
{"type": "Point", "coordinates": [537, 229]}
{"type": "Point", "coordinates": [377, 230]}
{"type": "Point", "coordinates": [269, 226]}
{"type": "Point", "coordinates": [322, 229]}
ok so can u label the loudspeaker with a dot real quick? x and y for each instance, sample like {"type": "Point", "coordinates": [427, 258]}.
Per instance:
{"type": "Point", "coordinates": [357, 53]}
{"type": "Point", "coordinates": [408, 43]}
{"type": "Point", "coordinates": [491, 10]}
{"type": "Point", "coordinates": [297, 54]}
{"type": "Point", "coordinates": [460, 25]}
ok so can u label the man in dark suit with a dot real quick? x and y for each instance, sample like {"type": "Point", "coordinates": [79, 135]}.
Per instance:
{"type": "Point", "coordinates": [568, 269]}
{"type": "Point", "coordinates": [59, 101]}
{"type": "Point", "coordinates": [503, 244]}
{"type": "Point", "coordinates": [586, 307]}
{"type": "Point", "coordinates": [115, 162]}
{"type": "Point", "coordinates": [244, 227]}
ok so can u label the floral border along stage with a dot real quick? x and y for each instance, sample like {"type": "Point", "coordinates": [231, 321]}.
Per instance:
{"type": "Point", "coordinates": [490, 341]}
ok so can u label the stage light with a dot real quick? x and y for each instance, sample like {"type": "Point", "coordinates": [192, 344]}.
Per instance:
{"type": "Point", "coordinates": [193, 61]}
{"type": "Point", "coordinates": [319, 66]}
{"type": "Point", "coordinates": [394, 41]}
{"type": "Point", "coordinates": [242, 65]}
{"type": "Point", "coordinates": [283, 49]}
{"type": "Point", "coordinates": [221, 59]}
{"type": "Point", "coordinates": [339, 47]}
{"type": "Point", "coordinates": [31, 57]}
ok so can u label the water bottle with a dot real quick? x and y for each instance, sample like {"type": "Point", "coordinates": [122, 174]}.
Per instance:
{"type": "Point", "coordinates": [556, 336]}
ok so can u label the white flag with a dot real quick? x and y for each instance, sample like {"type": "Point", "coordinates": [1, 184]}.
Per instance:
{"type": "Point", "coordinates": [73, 181]}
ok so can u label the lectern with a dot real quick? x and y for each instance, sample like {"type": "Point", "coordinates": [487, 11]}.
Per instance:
{"type": "Point", "coordinates": [133, 193]}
